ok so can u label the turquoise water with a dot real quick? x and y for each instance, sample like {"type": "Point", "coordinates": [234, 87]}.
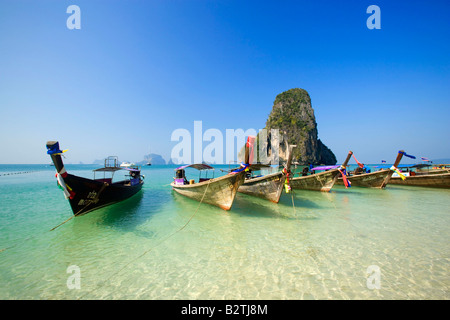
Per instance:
{"type": "Point", "coordinates": [160, 245]}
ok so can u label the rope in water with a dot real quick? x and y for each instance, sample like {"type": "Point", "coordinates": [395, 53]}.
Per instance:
{"type": "Point", "coordinates": [82, 209]}
{"type": "Point", "coordinates": [331, 200]}
{"type": "Point", "coordinates": [14, 245]}
{"type": "Point", "coordinates": [292, 196]}
{"type": "Point", "coordinates": [147, 251]}
{"type": "Point", "coordinates": [320, 181]}
{"type": "Point", "coordinates": [32, 237]}
{"type": "Point", "coordinates": [67, 220]}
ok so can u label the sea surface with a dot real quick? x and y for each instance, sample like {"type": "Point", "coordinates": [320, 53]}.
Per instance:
{"type": "Point", "coordinates": [351, 243]}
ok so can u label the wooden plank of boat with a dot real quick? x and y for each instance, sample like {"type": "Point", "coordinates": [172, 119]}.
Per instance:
{"type": "Point", "coordinates": [219, 191]}
{"type": "Point", "coordinates": [86, 195]}
{"type": "Point", "coordinates": [431, 180]}
{"type": "Point", "coordinates": [378, 179]}
{"type": "Point", "coordinates": [269, 186]}
{"type": "Point", "coordinates": [91, 194]}
{"type": "Point", "coordinates": [369, 180]}
{"type": "Point", "coordinates": [321, 181]}
{"type": "Point", "coordinates": [432, 171]}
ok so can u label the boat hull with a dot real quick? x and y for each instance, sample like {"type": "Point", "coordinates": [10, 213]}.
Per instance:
{"type": "Point", "coordinates": [430, 180]}
{"type": "Point", "coordinates": [322, 181]}
{"type": "Point", "coordinates": [377, 179]}
{"type": "Point", "coordinates": [267, 187]}
{"type": "Point", "coordinates": [219, 192]}
{"type": "Point", "coordinates": [432, 171]}
{"type": "Point", "coordinates": [92, 194]}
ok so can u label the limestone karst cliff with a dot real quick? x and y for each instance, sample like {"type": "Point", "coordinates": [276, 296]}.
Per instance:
{"type": "Point", "coordinates": [293, 115]}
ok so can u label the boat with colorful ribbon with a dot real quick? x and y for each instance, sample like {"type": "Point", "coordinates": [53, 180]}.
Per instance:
{"type": "Point", "coordinates": [362, 177]}
{"type": "Point", "coordinates": [219, 192]}
{"type": "Point", "coordinates": [417, 176]}
{"type": "Point", "coordinates": [320, 181]}
{"type": "Point", "coordinates": [268, 186]}
{"type": "Point", "coordinates": [421, 169]}
{"type": "Point", "coordinates": [86, 195]}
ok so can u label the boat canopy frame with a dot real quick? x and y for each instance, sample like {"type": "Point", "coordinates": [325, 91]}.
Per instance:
{"type": "Point", "coordinates": [201, 167]}
{"type": "Point", "coordinates": [254, 167]}
{"type": "Point", "coordinates": [111, 166]}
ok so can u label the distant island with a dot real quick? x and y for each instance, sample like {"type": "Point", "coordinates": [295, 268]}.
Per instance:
{"type": "Point", "coordinates": [154, 159]}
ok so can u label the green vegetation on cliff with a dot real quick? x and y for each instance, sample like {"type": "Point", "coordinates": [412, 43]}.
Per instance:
{"type": "Point", "coordinates": [293, 115]}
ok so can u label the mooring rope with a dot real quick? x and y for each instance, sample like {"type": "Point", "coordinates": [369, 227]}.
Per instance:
{"type": "Point", "coordinates": [32, 237]}
{"type": "Point", "coordinates": [288, 181]}
{"type": "Point", "coordinates": [292, 196]}
{"type": "Point", "coordinates": [67, 220]}
{"type": "Point", "coordinates": [331, 200]}
{"type": "Point", "coordinates": [82, 209]}
{"type": "Point", "coordinates": [147, 251]}
{"type": "Point", "coordinates": [317, 177]}
{"type": "Point", "coordinates": [16, 244]}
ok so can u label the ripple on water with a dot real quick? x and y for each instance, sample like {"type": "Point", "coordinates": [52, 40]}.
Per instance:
{"type": "Point", "coordinates": [320, 248]}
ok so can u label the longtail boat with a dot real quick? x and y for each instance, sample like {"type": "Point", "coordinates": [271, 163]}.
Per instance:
{"type": "Point", "coordinates": [377, 179]}
{"type": "Point", "coordinates": [86, 195]}
{"type": "Point", "coordinates": [418, 177]}
{"type": "Point", "coordinates": [321, 181]}
{"type": "Point", "coordinates": [268, 186]}
{"type": "Point", "coordinates": [438, 180]}
{"type": "Point", "coordinates": [220, 191]}
{"type": "Point", "coordinates": [422, 169]}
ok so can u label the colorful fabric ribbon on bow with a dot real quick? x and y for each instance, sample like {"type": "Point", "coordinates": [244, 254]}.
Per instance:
{"type": "Point", "coordinates": [68, 192]}
{"type": "Point", "coordinates": [287, 185]}
{"type": "Point", "coordinates": [359, 163]}
{"type": "Point", "coordinates": [244, 167]}
{"type": "Point", "coordinates": [54, 149]}
{"type": "Point", "coordinates": [407, 155]}
{"type": "Point", "coordinates": [398, 172]}
{"type": "Point", "coordinates": [347, 182]}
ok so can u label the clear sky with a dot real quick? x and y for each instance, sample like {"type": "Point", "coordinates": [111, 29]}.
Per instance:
{"type": "Point", "coordinates": [138, 70]}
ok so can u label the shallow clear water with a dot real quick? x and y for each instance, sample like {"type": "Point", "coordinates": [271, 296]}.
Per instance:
{"type": "Point", "coordinates": [160, 245]}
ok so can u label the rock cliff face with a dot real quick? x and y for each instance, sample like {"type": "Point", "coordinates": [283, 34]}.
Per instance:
{"type": "Point", "coordinates": [293, 115]}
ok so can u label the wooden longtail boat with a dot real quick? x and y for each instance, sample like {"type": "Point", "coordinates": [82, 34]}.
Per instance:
{"type": "Point", "coordinates": [321, 181]}
{"type": "Point", "coordinates": [437, 180]}
{"type": "Point", "coordinates": [377, 179]}
{"type": "Point", "coordinates": [86, 195]}
{"type": "Point", "coordinates": [418, 177]}
{"type": "Point", "coordinates": [219, 192]}
{"type": "Point", "coordinates": [269, 186]}
{"type": "Point", "coordinates": [421, 169]}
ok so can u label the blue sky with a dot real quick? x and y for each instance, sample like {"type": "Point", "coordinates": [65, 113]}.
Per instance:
{"type": "Point", "coordinates": [138, 70]}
